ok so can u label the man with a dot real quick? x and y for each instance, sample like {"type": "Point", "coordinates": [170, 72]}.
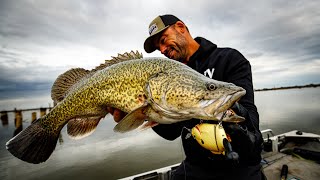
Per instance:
{"type": "Point", "coordinates": [171, 36]}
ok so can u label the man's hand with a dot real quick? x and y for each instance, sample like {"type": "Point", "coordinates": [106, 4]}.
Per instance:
{"type": "Point", "coordinates": [117, 114]}
{"type": "Point", "coordinates": [239, 110]}
{"type": "Point", "coordinates": [239, 133]}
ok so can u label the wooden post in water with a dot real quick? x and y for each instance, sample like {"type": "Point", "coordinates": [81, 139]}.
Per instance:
{"type": "Point", "coordinates": [18, 118]}
{"type": "Point", "coordinates": [43, 111]}
{"type": "Point", "coordinates": [18, 122]}
{"type": "Point", "coordinates": [4, 118]}
{"type": "Point", "coordinates": [33, 116]}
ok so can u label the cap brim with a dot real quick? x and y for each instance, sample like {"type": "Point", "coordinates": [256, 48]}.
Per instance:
{"type": "Point", "coordinates": [149, 46]}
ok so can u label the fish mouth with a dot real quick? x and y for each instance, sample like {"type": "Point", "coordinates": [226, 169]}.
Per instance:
{"type": "Point", "coordinates": [228, 101]}
{"type": "Point", "coordinates": [214, 107]}
{"type": "Point", "coordinates": [230, 116]}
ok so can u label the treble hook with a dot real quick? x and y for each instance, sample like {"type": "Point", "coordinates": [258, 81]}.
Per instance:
{"type": "Point", "coordinates": [223, 116]}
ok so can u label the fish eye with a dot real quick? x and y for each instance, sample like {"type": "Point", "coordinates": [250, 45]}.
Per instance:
{"type": "Point", "coordinates": [211, 86]}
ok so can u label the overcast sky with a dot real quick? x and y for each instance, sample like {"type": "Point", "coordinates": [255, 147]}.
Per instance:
{"type": "Point", "coordinates": [41, 39]}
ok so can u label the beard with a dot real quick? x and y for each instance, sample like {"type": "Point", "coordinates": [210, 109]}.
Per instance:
{"type": "Point", "coordinates": [180, 47]}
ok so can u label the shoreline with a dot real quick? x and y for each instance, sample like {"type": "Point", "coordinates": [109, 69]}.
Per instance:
{"type": "Point", "coordinates": [289, 87]}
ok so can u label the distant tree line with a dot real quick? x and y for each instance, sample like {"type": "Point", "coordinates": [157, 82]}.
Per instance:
{"type": "Point", "coordinates": [289, 87]}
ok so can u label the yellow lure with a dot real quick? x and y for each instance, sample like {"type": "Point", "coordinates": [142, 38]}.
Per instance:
{"type": "Point", "coordinates": [210, 136]}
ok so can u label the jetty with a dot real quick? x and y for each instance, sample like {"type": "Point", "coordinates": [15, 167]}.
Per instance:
{"type": "Point", "coordinates": [18, 118]}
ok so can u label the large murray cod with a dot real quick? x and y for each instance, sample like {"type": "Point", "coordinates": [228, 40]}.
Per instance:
{"type": "Point", "coordinates": [159, 90]}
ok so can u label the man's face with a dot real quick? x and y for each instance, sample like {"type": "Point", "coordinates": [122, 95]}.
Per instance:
{"type": "Point", "coordinates": [172, 44]}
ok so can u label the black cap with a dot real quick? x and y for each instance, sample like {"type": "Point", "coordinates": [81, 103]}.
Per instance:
{"type": "Point", "coordinates": [159, 24]}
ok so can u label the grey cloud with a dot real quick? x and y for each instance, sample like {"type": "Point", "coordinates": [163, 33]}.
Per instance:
{"type": "Point", "coordinates": [287, 31]}
{"type": "Point", "coordinates": [291, 30]}
{"type": "Point", "coordinates": [253, 55]}
{"type": "Point", "coordinates": [23, 86]}
{"type": "Point", "coordinates": [271, 72]}
{"type": "Point", "coordinates": [15, 89]}
{"type": "Point", "coordinates": [99, 24]}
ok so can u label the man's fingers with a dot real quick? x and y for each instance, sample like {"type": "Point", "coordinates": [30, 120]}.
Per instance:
{"type": "Point", "coordinates": [110, 110]}
{"type": "Point", "coordinates": [118, 115]}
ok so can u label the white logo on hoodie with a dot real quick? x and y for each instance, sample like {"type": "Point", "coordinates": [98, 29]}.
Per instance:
{"type": "Point", "coordinates": [209, 73]}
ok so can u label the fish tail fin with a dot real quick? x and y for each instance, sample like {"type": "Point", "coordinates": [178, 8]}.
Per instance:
{"type": "Point", "coordinates": [34, 144]}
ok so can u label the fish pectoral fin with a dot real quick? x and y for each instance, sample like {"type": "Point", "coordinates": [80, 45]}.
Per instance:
{"type": "Point", "coordinates": [132, 120]}
{"type": "Point", "coordinates": [148, 125]}
{"type": "Point", "coordinates": [81, 127]}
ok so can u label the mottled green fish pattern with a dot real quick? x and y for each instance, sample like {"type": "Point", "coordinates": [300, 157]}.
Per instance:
{"type": "Point", "coordinates": [158, 90]}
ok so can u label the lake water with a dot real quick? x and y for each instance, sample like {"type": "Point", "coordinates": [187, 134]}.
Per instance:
{"type": "Point", "coordinates": [109, 155]}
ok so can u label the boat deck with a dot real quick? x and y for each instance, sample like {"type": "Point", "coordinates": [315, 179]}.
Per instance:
{"type": "Point", "coordinates": [294, 149]}
{"type": "Point", "coordinates": [297, 168]}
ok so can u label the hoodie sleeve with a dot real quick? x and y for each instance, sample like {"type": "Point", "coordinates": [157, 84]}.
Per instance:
{"type": "Point", "coordinates": [169, 131]}
{"type": "Point", "coordinates": [239, 73]}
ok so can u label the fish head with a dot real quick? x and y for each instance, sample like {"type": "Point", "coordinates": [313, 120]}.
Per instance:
{"type": "Point", "coordinates": [188, 94]}
{"type": "Point", "coordinates": [219, 97]}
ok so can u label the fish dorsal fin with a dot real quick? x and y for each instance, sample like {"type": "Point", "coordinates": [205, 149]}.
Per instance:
{"type": "Point", "coordinates": [79, 128]}
{"type": "Point", "coordinates": [65, 81]}
{"type": "Point", "coordinates": [120, 58]}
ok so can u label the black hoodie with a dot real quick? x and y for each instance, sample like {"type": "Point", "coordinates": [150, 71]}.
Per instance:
{"type": "Point", "coordinates": [229, 65]}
